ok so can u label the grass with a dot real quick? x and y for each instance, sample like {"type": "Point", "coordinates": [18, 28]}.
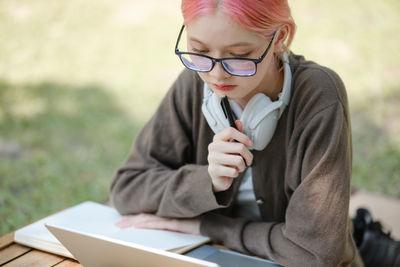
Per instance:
{"type": "Point", "coordinates": [78, 79]}
{"type": "Point", "coordinates": [70, 147]}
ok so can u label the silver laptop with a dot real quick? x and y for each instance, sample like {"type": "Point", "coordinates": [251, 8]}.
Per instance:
{"type": "Point", "coordinates": [97, 251]}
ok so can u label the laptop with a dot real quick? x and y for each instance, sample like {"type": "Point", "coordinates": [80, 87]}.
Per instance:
{"type": "Point", "coordinates": [98, 251]}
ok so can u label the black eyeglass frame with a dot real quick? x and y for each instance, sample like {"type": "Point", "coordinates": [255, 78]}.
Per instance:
{"type": "Point", "coordinates": [215, 60]}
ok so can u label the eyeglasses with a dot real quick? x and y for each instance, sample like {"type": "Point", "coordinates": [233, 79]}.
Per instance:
{"type": "Point", "coordinates": [233, 65]}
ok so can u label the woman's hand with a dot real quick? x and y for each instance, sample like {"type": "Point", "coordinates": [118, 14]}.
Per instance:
{"type": "Point", "coordinates": [226, 159]}
{"type": "Point", "coordinates": [150, 221]}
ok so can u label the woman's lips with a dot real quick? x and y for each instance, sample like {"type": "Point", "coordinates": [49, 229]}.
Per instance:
{"type": "Point", "coordinates": [224, 87]}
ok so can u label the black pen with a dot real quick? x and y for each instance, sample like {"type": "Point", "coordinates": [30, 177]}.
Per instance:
{"type": "Point", "coordinates": [226, 107]}
{"type": "Point", "coordinates": [228, 112]}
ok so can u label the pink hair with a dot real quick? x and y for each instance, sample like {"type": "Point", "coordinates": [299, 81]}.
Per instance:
{"type": "Point", "coordinates": [263, 16]}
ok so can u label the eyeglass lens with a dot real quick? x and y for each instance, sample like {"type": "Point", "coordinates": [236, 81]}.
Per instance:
{"type": "Point", "coordinates": [239, 67]}
{"type": "Point", "coordinates": [232, 66]}
{"type": "Point", "coordinates": [197, 63]}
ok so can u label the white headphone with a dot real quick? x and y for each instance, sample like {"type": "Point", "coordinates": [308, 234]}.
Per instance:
{"type": "Point", "coordinates": [260, 115]}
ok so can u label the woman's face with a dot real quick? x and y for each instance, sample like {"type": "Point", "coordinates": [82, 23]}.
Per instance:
{"type": "Point", "coordinates": [219, 36]}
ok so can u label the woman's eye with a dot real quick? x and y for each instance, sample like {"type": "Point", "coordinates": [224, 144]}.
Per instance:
{"type": "Point", "coordinates": [201, 51]}
{"type": "Point", "coordinates": [241, 54]}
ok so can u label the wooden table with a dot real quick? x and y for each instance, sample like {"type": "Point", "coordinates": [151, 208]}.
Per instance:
{"type": "Point", "coordinates": [13, 254]}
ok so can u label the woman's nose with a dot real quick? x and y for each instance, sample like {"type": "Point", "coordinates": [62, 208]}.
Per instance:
{"type": "Point", "coordinates": [218, 72]}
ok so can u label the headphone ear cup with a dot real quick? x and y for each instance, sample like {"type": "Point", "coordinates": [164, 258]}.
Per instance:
{"type": "Point", "coordinates": [254, 107]}
{"type": "Point", "coordinates": [259, 120]}
{"type": "Point", "coordinates": [265, 130]}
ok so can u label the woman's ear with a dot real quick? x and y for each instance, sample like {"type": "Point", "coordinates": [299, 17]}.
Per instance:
{"type": "Point", "coordinates": [280, 38]}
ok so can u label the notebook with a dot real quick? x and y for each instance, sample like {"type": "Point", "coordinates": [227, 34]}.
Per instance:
{"type": "Point", "coordinates": [98, 219]}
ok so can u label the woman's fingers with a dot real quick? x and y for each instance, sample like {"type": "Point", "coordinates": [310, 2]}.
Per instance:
{"type": "Point", "coordinates": [233, 134]}
{"type": "Point", "coordinates": [131, 220]}
{"type": "Point", "coordinates": [123, 224]}
{"type": "Point", "coordinates": [226, 159]}
{"type": "Point", "coordinates": [166, 224]}
{"type": "Point", "coordinates": [222, 176]}
{"type": "Point", "coordinates": [223, 171]}
{"type": "Point", "coordinates": [239, 125]}
{"type": "Point", "coordinates": [142, 219]}
{"type": "Point", "coordinates": [150, 221]}
{"type": "Point", "coordinates": [230, 148]}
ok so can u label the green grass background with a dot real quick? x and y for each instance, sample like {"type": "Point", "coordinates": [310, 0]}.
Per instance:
{"type": "Point", "coordinates": [78, 79]}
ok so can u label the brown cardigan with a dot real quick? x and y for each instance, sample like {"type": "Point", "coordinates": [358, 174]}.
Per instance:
{"type": "Point", "coordinates": [301, 179]}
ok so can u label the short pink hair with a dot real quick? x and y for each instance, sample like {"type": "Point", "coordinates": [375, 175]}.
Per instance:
{"type": "Point", "coordinates": [263, 16]}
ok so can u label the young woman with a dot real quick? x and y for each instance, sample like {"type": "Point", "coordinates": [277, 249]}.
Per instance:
{"type": "Point", "coordinates": [276, 185]}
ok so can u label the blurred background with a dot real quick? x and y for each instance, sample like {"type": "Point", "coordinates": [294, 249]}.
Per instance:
{"type": "Point", "coordinates": [78, 79]}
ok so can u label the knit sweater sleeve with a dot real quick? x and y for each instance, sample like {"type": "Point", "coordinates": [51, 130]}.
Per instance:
{"type": "Point", "coordinates": [315, 231]}
{"type": "Point", "coordinates": [162, 174]}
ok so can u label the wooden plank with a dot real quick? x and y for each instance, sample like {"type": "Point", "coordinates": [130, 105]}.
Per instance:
{"type": "Point", "coordinates": [36, 258]}
{"type": "Point", "coordinates": [6, 240]}
{"type": "Point", "coordinates": [68, 263]}
{"type": "Point", "coordinates": [11, 252]}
